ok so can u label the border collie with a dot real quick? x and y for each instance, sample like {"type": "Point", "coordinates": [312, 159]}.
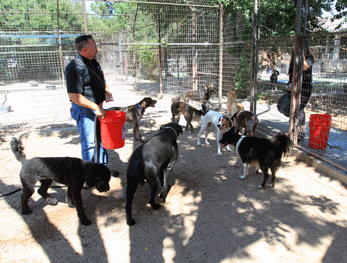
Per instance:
{"type": "Point", "coordinates": [260, 152]}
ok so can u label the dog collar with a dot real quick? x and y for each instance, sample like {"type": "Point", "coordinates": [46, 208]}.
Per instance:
{"type": "Point", "coordinates": [171, 129]}
{"type": "Point", "coordinates": [239, 141]}
{"type": "Point", "coordinates": [138, 104]}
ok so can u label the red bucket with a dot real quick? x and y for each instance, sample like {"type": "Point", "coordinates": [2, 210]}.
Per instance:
{"type": "Point", "coordinates": [112, 129]}
{"type": "Point", "coordinates": [319, 130]}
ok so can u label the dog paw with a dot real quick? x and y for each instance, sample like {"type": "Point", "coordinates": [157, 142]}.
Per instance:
{"type": "Point", "coordinates": [229, 148]}
{"type": "Point", "coordinates": [207, 143]}
{"type": "Point", "coordinates": [130, 222]}
{"type": "Point", "coordinates": [155, 206]}
{"type": "Point", "coordinates": [85, 222]}
{"type": "Point", "coordinates": [270, 185]}
{"type": "Point", "coordinates": [261, 186]}
{"type": "Point", "coordinates": [162, 199]}
{"type": "Point", "coordinates": [51, 201]}
{"type": "Point", "coordinates": [242, 177]}
{"type": "Point", "coordinates": [26, 211]}
{"type": "Point", "coordinates": [219, 154]}
{"type": "Point", "coordinates": [199, 143]}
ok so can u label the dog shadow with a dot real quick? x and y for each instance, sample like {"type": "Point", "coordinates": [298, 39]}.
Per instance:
{"type": "Point", "coordinates": [43, 231]}
{"type": "Point", "coordinates": [151, 228]}
{"type": "Point", "coordinates": [222, 215]}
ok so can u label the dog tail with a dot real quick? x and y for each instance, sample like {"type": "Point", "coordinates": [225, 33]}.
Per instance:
{"type": "Point", "coordinates": [283, 143]}
{"type": "Point", "coordinates": [203, 109]}
{"type": "Point", "coordinates": [196, 111]}
{"type": "Point", "coordinates": [18, 149]}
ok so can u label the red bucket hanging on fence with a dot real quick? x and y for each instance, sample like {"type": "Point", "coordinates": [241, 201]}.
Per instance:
{"type": "Point", "coordinates": [319, 130]}
{"type": "Point", "coordinates": [111, 127]}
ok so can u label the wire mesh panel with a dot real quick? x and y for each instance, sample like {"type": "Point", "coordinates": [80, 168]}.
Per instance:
{"type": "Point", "coordinates": [145, 49]}
{"type": "Point", "coordinates": [237, 54]}
{"type": "Point", "coordinates": [323, 93]}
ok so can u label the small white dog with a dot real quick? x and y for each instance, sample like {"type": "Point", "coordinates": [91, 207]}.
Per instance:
{"type": "Point", "coordinates": [220, 121]}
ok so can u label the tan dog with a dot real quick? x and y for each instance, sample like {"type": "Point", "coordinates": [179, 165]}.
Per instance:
{"type": "Point", "coordinates": [232, 105]}
{"type": "Point", "coordinates": [246, 121]}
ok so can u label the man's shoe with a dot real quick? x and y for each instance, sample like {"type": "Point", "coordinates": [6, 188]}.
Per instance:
{"type": "Point", "coordinates": [301, 136]}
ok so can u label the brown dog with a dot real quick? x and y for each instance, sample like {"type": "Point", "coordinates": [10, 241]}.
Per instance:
{"type": "Point", "coordinates": [195, 95]}
{"type": "Point", "coordinates": [232, 105]}
{"type": "Point", "coordinates": [134, 114]}
{"type": "Point", "coordinates": [181, 108]}
{"type": "Point", "coordinates": [246, 121]}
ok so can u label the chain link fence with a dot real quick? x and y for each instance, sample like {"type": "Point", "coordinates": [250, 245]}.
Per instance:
{"type": "Point", "coordinates": [164, 49]}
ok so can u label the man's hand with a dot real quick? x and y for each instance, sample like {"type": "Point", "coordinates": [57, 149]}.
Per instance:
{"type": "Point", "coordinates": [100, 112]}
{"type": "Point", "coordinates": [109, 96]}
{"type": "Point", "coordinates": [82, 101]}
{"type": "Point", "coordinates": [306, 66]}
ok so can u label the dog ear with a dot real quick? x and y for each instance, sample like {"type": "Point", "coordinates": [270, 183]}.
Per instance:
{"type": "Point", "coordinates": [179, 128]}
{"type": "Point", "coordinates": [233, 118]}
{"type": "Point", "coordinates": [230, 122]}
{"type": "Point", "coordinates": [90, 173]}
{"type": "Point", "coordinates": [233, 129]}
{"type": "Point", "coordinates": [95, 172]}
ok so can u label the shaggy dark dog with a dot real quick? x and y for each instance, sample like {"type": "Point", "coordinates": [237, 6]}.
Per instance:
{"type": "Point", "coordinates": [72, 172]}
{"type": "Point", "coordinates": [153, 161]}
{"type": "Point", "coordinates": [195, 95]}
{"type": "Point", "coordinates": [261, 152]}
{"type": "Point", "coordinates": [134, 114]}
{"type": "Point", "coordinates": [245, 121]}
{"type": "Point", "coordinates": [182, 108]}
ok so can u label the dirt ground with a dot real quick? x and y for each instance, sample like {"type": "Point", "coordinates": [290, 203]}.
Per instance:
{"type": "Point", "coordinates": [210, 215]}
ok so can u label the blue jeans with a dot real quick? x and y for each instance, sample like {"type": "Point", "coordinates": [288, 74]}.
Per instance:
{"type": "Point", "coordinates": [85, 119]}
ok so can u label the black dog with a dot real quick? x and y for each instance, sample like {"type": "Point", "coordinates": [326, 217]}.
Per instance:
{"type": "Point", "coordinates": [72, 172]}
{"type": "Point", "coordinates": [260, 152]}
{"type": "Point", "coordinates": [273, 77]}
{"type": "Point", "coordinates": [153, 161]}
{"type": "Point", "coordinates": [134, 114]}
{"type": "Point", "coordinates": [182, 108]}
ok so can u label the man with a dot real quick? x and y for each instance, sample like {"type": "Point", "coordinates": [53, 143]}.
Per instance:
{"type": "Point", "coordinates": [87, 91]}
{"type": "Point", "coordinates": [306, 86]}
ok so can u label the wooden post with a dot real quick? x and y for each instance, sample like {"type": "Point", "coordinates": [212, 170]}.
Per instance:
{"type": "Point", "coordinates": [220, 86]}
{"type": "Point", "coordinates": [254, 70]}
{"type": "Point", "coordinates": [297, 73]}
{"type": "Point", "coordinates": [60, 47]}
{"type": "Point", "coordinates": [85, 17]}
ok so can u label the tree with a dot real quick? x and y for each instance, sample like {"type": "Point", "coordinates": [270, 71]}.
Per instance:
{"type": "Point", "coordinates": [277, 18]}
{"type": "Point", "coordinates": [39, 15]}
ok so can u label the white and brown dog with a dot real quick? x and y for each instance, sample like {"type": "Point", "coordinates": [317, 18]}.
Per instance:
{"type": "Point", "coordinates": [232, 105]}
{"type": "Point", "coordinates": [219, 120]}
